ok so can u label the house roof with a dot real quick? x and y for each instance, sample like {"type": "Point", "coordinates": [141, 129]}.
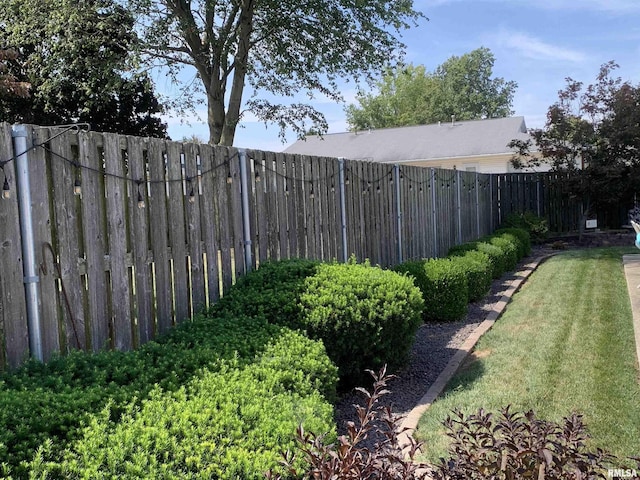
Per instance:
{"type": "Point", "coordinates": [421, 142]}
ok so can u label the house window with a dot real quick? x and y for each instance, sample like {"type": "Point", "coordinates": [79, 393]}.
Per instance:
{"type": "Point", "coordinates": [470, 168]}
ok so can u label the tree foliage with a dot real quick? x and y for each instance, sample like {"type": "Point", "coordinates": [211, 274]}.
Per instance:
{"type": "Point", "coordinates": [280, 48]}
{"type": "Point", "coordinates": [592, 133]}
{"type": "Point", "coordinates": [10, 86]}
{"type": "Point", "coordinates": [76, 59]}
{"type": "Point", "coordinates": [410, 95]}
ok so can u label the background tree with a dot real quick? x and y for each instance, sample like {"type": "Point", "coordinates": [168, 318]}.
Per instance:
{"type": "Point", "coordinates": [593, 134]}
{"type": "Point", "coordinates": [76, 58]}
{"type": "Point", "coordinates": [10, 86]}
{"type": "Point", "coordinates": [280, 48]}
{"type": "Point", "coordinates": [410, 95]}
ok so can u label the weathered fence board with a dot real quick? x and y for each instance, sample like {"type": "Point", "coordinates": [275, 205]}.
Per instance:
{"type": "Point", "coordinates": [13, 310]}
{"type": "Point", "coordinates": [45, 255]}
{"type": "Point", "coordinates": [140, 247]}
{"type": "Point", "coordinates": [157, 204]}
{"type": "Point", "coordinates": [93, 210]}
{"type": "Point", "coordinates": [209, 219]}
{"type": "Point", "coordinates": [193, 226]}
{"type": "Point", "coordinates": [67, 223]}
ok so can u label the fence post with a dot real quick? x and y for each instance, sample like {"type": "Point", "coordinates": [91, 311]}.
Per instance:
{"type": "Point", "coordinates": [459, 202]}
{"type": "Point", "coordinates": [538, 210]}
{"type": "Point", "coordinates": [246, 225]}
{"type": "Point", "coordinates": [30, 269]}
{"type": "Point", "coordinates": [477, 187]}
{"type": "Point", "coordinates": [432, 182]}
{"type": "Point", "coordinates": [343, 210]}
{"type": "Point", "coordinates": [396, 175]}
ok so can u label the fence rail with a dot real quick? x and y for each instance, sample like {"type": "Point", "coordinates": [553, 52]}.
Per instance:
{"type": "Point", "coordinates": [134, 235]}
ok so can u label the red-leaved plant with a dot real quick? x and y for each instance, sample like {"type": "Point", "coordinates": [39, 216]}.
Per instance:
{"type": "Point", "coordinates": [349, 458]}
{"type": "Point", "coordinates": [516, 445]}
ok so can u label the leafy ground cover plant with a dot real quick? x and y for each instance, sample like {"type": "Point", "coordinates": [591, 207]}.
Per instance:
{"type": "Point", "coordinates": [515, 445]}
{"type": "Point", "coordinates": [349, 458]}
{"type": "Point", "coordinates": [227, 423]}
{"type": "Point", "coordinates": [53, 400]}
{"type": "Point", "coordinates": [444, 287]}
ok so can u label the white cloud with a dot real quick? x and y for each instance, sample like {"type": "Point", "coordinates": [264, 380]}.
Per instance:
{"type": "Point", "coordinates": [536, 49]}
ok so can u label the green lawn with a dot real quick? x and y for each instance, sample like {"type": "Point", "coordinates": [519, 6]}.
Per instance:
{"type": "Point", "coordinates": [565, 343]}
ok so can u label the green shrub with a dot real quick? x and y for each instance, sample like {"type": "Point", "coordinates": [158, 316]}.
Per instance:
{"type": "Point", "coordinates": [523, 237]}
{"type": "Point", "coordinates": [537, 227]}
{"type": "Point", "coordinates": [477, 267]}
{"type": "Point", "coordinates": [509, 247]}
{"type": "Point", "coordinates": [366, 316]}
{"type": "Point", "coordinates": [227, 424]}
{"type": "Point", "coordinates": [443, 285]}
{"type": "Point", "coordinates": [273, 290]}
{"type": "Point", "coordinates": [495, 254]}
{"type": "Point", "coordinates": [51, 401]}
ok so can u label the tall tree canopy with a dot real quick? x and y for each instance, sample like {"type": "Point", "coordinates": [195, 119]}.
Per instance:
{"type": "Point", "coordinates": [10, 86]}
{"type": "Point", "coordinates": [592, 132]}
{"type": "Point", "coordinates": [410, 95]}
{"type": "Point", "coordinates": [76, 58]}
{"type": "Point", "coordinates": [280, 48]}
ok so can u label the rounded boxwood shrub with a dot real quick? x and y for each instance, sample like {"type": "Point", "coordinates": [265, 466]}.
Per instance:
{"type": "Point", "coordinates": [230, 423]}
{"type": "Point", "coordinates": [477, 267]}
{"type": "Point", "coordinates": [523, 237]}
{"type": "Point", "coordinates": [509, 249]}
{"type": "Point", "coordinates": [496, 255]}
{"type": "Point", "coordinates": [366, 317]}
{"type": "Point", "coordinates": [444, 287]}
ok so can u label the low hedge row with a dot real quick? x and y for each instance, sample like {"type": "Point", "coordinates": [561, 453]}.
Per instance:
{"type": "Point", "coordinates": [443, 285]}
{"type": "Point", "coordinates": [366, 316]}
{"type": "Point", "coordinates": [50, 402]}
{"type": "Point", "coordinates": [449, 284]}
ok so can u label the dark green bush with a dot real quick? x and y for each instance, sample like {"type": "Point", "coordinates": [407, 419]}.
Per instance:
{"type": "Point", "coordinates": [477, 267]}
{"type": "Point", "coordinates": [443, 285]}
{"type": "Point", "coordinates": [230, 422]}
{"type": "Point", "coordinates": [366, 316]}
{"type": "Point", "coordinates": [42, 401]}
{"type": "Point", "coordinates": [495, 254]}
{"type": "Point", "coordinates": [537, 227]}
{"type": "Point", "coordinates": [509, 247]}
{"type": "Point", "coordinates": [523, 237]}
{"type": "Point", "coordinates": [273, 290]}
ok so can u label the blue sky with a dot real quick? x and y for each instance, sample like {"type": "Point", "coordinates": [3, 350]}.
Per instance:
{"type": "Point", "coordinates": [537, 43]}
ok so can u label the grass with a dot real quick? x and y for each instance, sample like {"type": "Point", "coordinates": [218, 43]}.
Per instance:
{"type": "Point", "coordinates": [565, 343]}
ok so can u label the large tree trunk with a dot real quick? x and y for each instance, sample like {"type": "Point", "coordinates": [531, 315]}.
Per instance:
{"type": "Point", "coordinates": [215, 119]}
{"type": "Point", "coordinates": [245, 27]}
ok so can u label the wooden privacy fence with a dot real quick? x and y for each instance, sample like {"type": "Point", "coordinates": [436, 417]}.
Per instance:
{"type": "Point", "coordinates": [541, 193]}
{"type": "Point", "coordinates": [132, 235]}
